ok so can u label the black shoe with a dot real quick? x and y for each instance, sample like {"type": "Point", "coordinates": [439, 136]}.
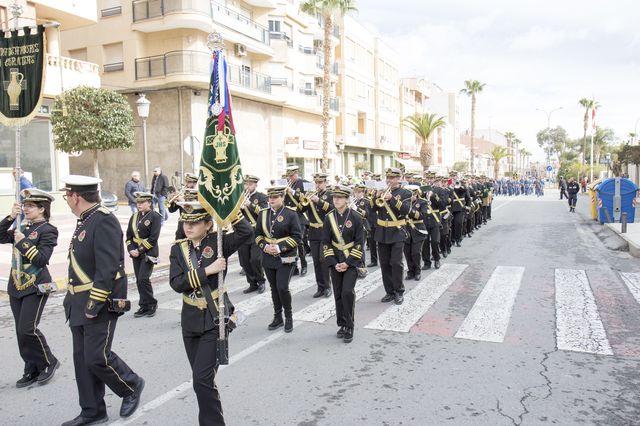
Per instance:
{"type": "Point", "coordinates": [242, 272]}
{"type": "Point", "coordinates": [458, 244]}
{"type": "Point", "coordinates": [327, 292]}
{"type": "Point", "coordinates": [260, 288]}
{"type": "Point", "coordinates": [303, 271]}
{"type": "Point", "coordinates": [409, 276]}
{"type": "Point", "coordinates": [318, 293]}
{"type": "Point", "coordinates": [340, 333]}
{"type": "Point", "coordinates": [27, 379]}
{"type": "Point", "coordinates": [251, 289]}
{"type": "Point", "coordinates": [142, 312]}
{"type": "Point", "coordinates": [436, 264]}
{"type": "Point", "coordinates": [387, 298]}
{"type": "Point", "coordinates": [426, 266]}
{"type": "Point", "coordinates": [288, 325]}
{"type": "Point", "coordinates": [469, 234]}
{"type": "Point", "coordinates": [152, 311]}
{"type": "Point", "coordinates": [296, 271]}
{"type": "Point", "coordinates": [372, 264]}
{"type": "Point", "coordinates": [417, 277]}
{"type": "Point", "coordinates": [348, 334]}
{"type": "Point", "coordinates": [84, 421]}
{"type": "Point", "coordinates": [130, 403]}
{"type": "Point", "coordinates": [47, 374]}
{"type": "Point", "coordinates": [445, 254]}
{"type": "Point", "coordinates": [398, 299]}
{"type": "Point", "coordinates": [449, 250]}
{"type": "Point", "coordinates": [276, 323]}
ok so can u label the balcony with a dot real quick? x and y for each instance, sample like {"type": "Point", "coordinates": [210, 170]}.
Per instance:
{"type": "Point", "coordinates": [240, 23]}
{"type": "Point", "coordinates": [306, 50]}
{"type": "Point", "coordinates": [276, 35]}
{"type": "Point", "coordinates": [172, 63]}
{"type": "Point", "coordinates": [74, 73]}
{"type": "Point", "coordinates": [249, 79]}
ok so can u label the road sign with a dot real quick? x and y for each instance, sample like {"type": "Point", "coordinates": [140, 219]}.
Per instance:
{"type": "Point", "coordinates": [549, 168]}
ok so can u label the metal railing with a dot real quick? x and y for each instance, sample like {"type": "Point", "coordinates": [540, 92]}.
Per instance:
{"type": "Point", "coordinates": [307, 50]}
{"type": "Point", "coordinates": [175, 62]}
{"type": "Point", "coordinates": [262, 32]}
{"type": "Point", "coordinates": [278, 35]}
{"type": "Point", "coordinates": [249, 79]}
{"type": "Point", "coordinates": [111, 11]}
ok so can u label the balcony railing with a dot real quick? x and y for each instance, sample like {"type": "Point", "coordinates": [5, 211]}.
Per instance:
{"type": "Point", "coordinates": [249, 79]}
{"type": "Point", "coordinates": [307, 50]}
{"type": "Point", "coordinates": [320, 65]}
{"type": "Point", "coordinates": [277, 35]}
{"type": "Point", "coordinates": [149, 9]}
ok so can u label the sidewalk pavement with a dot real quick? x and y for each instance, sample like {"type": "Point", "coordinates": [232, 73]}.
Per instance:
{"type": "Point", "coordinates": [632, 236]}
{"type": "Point", "coordinates": [66, 224]}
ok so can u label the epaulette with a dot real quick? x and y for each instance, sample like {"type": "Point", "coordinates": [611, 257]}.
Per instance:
{"type": "Point", "coordinates": [104, 210]}
{"type": "Point", "coordinates": [292, 208]}
{"type": "Point", "coordinates": [179, 241]}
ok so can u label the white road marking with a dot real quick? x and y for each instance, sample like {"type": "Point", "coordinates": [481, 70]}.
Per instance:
{"type": "Point", "coordinates": [489, 318]}
{"type": "Point", "coordinates": [324, 309]}
{"type": "Point", "coordinates": [632, 281]}
{"type": "Point", "coordinates": [578, 324]}
{"type": "Point", "coordinates": [417, 301]}
{"type": "Point", "coordinates": [186, 386]}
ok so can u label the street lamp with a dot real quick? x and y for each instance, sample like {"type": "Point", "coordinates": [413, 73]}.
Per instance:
{"type": "Point", "coordinates": [142, 105]}
{"type": "Point", "coordinates": [635, 132]}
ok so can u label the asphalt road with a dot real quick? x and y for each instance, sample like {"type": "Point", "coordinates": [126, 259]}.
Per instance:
{"type": "Point", "coordinates": [533, 321]}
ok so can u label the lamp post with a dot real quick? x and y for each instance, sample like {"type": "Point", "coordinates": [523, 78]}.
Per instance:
{"type": "Point", "coordinates": [142, 105]}
{"type": "Point", "coordinates": [635, 132]}
{"type": "Point", "coordinates": [548, 114]}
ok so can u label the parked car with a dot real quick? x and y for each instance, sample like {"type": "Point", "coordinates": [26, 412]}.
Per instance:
{"type": "Point", "coordinates": [109, 200]}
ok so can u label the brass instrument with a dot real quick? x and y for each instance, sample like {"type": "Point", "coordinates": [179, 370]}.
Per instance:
{"type": "Point", "coordinates": [380, 201]}
{"type": "Point", "coordinates": [174, 197]}
{"type": "Point", "coordinates": [305, 198]}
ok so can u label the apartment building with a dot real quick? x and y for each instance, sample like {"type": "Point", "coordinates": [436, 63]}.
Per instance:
{"type": "Point", "coordinates": [447, 144]}
{"type": "Point", "coordinates": [414, 93]}
{"type": "Point", "coordinates": [367, 128]}
{"type": "Point", "coordinates": [484, 141]}
{"type": "Point", "coordinates": [158, 47]}
{"type": "Point", "coordinates": [42, 164]}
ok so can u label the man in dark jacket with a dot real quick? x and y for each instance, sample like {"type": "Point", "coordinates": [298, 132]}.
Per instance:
{"type": "Point", "coordinates": [133, 185]}
{"type": "Point", "coordinates": [159, 188]}
{"type": "Point", "coordinates": [573, 188]}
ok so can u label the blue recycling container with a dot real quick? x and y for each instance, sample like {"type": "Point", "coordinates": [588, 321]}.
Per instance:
{"type": "Point", "coordinates": [605, 193]}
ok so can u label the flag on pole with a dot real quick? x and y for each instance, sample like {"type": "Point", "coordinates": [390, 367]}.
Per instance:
{"type": "Point", "coordinates": [220, 183]}
{"type": "Point", "coordinates": [593, 118]}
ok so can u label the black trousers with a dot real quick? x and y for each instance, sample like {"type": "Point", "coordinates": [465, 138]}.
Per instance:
{"type": "Point", "coordinates": [302, 248]}
{"type": "Point", "coordinates": [320, 266]}
{"type": "Point", "coordinates": [96, 366]}
{"type": "Point", "coordinates": [251, 261]}
{"type": "Point", "coordinates": [485, 213]}
{"type": "Point", "coordinates": [458, 223]}
{"type": "Point", "coordinates": [478, 217]}
{"type": "Point", "coordinates": [470, 222]}
{"type": "Point", "coordinates": [489, 211]}
{"type": "Point", "coordinates": [563, 192]}
{"type": "Point", "coordinates": [279, 282]}
{"type": "Point", "coordinates": [143, 270]}
{"type": "Point", "coordinates": [201, 350]}
{"type": "Point", "coordinates": [431, 246]}
{"type": "Point", "coordinates": [390, 257]}
{"type": "Point", "coordinates": [33, 348]}
{"type": "Point", "coordinates": [445, 235]}
{"type": "Point", "coordinates": [412, 252]}
{"type": "Point", "coordinates": [373, 247]}
{"type": "Point", "coordinates": [344, 293]}
{"type": "Point", "coordinates": [573, 199]}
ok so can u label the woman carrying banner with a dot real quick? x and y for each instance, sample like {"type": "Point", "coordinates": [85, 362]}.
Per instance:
{"type": "Point", "coordinates": [28, 295]}
{"type": "Point", "coordinates": [195, 268]}
{"type": "Point", "coordinates": [278, 234]}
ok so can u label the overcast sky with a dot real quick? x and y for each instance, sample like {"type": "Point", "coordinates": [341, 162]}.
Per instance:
{"type": "Point", "coordinates": [531, 54]}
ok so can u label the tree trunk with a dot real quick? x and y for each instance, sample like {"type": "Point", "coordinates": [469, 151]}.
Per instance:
{"type": "Point", "coordinates": [96, 172]}
{"type": "Point", "coordinates": [473, 131]}
{"type": "Point", "coordinates": [496, 169]}
{"type": "Point", "coordinates": [425, 155]}
{"type": "Point", "coordinates": [584, 138]}
{"type": "Point", "coordinates": [326, 90]}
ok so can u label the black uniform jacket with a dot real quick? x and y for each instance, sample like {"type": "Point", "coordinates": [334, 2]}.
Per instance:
{"type": "Point", "coordinates": [96, 267]}
{"type": "Point", "coordinates": [35, 251]}
{"type": "Point", "coordinates": [143, 233]}
{"type": "Point", "coordinates": [258, 201]}
{"type": "Point", "coordinates": [187, 276]}
{"type": "Point", "coordinates": [393, 210]}
{"type": "Point", "coordinates": [343, 238]}
{"type": "Point", "coordinates": [460, 199]}
{"type": "Point", "coordinates": [316, 213]}
{"type": "Point", "coordinates": [363, 206]}
{"type": "Point", "coordinates": [293, 200]}
{"type": "Point", "coordinates": [417, 219]}
{"type": "Point", "coordinates": [281, 228]}
{"type": "Point", "coordinates": [573, 188]}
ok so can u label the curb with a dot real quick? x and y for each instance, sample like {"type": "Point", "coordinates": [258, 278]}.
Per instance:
{"type": "Point", "coordinates": [634, 248]}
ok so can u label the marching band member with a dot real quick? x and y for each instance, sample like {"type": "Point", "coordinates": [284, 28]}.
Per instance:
{"type": "Point", "coordinates": [278, 234]}
{"type": "Point", "coordinates": [316, 207]}
{"type": "Point", "coordinates": [188, 193]}
{"type": "Point", "coordinates": [142, 245]}
{"type": "Point", "coordinates": [363, 206]}
{"type": "Point", "coordinates": [249, 253]}
{"type": "Point", "coordinates": [433, 222]}
{"type": "Point", "coordinates": [28, 294]}
{"type": "Point", "coordinates": [292, 199]}
{"type": "Point", "coordinates": [460, 204]}
{"type": "Point", "coordinates": [343, 231]}
{"type": "Point", "coordinates": [194, 269]}
{"type": "Point", "coordinates": [391, 208]}
{"type": "Point", "coordinates": [417, 233]}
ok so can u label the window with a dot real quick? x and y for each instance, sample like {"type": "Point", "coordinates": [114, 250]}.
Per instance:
{"type": "Point", "coordinates": [79, 54]}
{"type": "Point", "coordinates": [350, 49]}
{"type": "Point", "coordinates": [113, 57]}
{"type": "Point", "coordinates": [275, 26]}
{"type": "Point", "coordinates": [110, 8]}
{"type": "Point", "coordinates": [351, 87]}
{"type": "Point", "coordinates": [362, 119]}
{"type": "Point", "coordinates": [352, 124]}
{"type": "Point", "coordinates": [3, 17]}
{"type": "Point", "coordinates": [361, 90]}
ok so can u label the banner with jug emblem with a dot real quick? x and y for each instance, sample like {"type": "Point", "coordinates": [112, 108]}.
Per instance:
{"type": "Point", "coordinates": [220, 182]}
{"type": "Point", "coordinates": [22, 59]}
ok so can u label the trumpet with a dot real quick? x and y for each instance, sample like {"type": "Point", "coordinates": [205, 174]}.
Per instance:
{"type": "Point", "coordinates": [305, 198]}
{"type": "Point", "coordinates": [174, 197]}
{"type": "Point", "coordinates": [380, 201]}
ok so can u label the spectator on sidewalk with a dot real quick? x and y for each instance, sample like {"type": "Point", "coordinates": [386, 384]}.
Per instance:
{"type": "Point", "coordinates": [134, 185]}
{"type": "Point", "coordinates": [562, 185]}
{"type": "Point", "coordinates": [159, 188]}
{"type": "Point", "coordinates": [583, 184]}
{"type": "Point", "coordinates": [573, 188]}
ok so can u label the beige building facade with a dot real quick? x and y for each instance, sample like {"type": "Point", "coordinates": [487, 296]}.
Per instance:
{"type": "Point", "coordinates": [42, 164]}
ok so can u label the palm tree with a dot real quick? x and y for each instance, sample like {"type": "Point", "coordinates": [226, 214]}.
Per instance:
{"type": "Point", "coordinates": [497, 154]}
{"type": "Point", "coordinates": [523, 153]}
{"type": "Point", "coordinates": [472, 88]}
{"type": "Point", "coordinates": [510, 136]}
{"type": "Point", "coordinates": [587, 104]}
{"type": "Point", "coordinates": [423, 125]}
{"type": "Point", "coordinates": [327, 9]}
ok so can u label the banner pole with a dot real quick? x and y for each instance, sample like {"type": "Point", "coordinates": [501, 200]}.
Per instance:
{"type": "Point", "coordinates": [18, 173]}
{"type": "Point", "coordinates": [223, 348]}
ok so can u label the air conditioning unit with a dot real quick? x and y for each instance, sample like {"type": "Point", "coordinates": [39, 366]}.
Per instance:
{"type": "Point", "coordinates": [318, 81]}
{"type": "Point", "coordinates": [240, 49]}
{"type": "Point", "coordinates": [317, 45]}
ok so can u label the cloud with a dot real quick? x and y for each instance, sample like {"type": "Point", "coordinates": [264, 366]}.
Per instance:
{"type": "Point", "coordinates": [538, 38]}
